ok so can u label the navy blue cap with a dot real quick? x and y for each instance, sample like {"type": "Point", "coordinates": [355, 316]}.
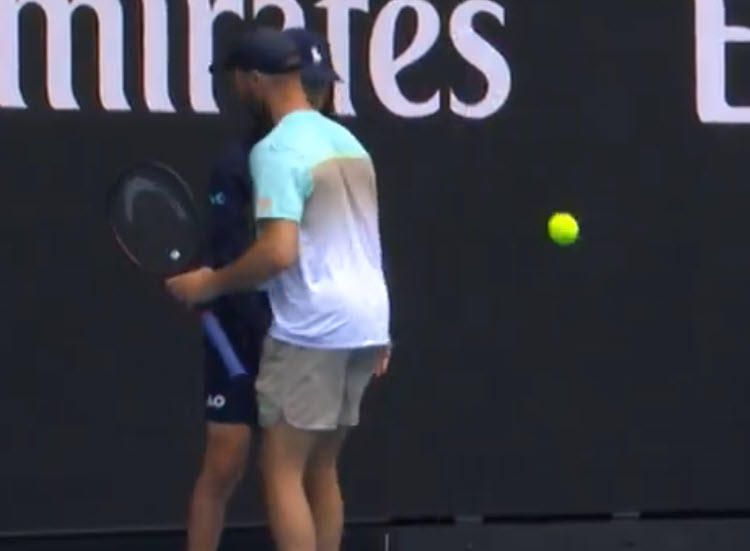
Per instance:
{"type": "Point", "coordinates": [262, 49]}
{"type": "Point", "coordinates": [315, 54]}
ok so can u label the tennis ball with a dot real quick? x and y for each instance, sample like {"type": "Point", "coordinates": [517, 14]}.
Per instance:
{"type": "Point", "coordinates": [563, 228]}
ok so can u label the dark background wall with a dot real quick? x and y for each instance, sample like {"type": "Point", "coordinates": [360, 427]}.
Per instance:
{"type": "Point", "coordinates": [527, 379]}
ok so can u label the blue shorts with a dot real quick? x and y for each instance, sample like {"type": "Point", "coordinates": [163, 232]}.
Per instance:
{"type": "Point", "coordinates": [232, 400]}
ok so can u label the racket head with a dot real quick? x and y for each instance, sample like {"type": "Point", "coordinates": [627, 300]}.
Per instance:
{"type": "Point", "coordinates": [153, 217]}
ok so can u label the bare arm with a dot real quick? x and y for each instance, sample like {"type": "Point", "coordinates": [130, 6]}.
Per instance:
{"type": "Point", "coordinates": [275, 250]}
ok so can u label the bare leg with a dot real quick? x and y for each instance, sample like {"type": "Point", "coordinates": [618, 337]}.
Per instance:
{"type": "Point", "coordinates": [224, 460]}
{"type": "Point", "coordinates": [323, 491]}
{"type": "Point", "coordinates": [283, 458]}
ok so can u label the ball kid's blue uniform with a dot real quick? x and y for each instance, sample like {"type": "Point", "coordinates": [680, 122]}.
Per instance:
{"type": "Point", "coordinates": [245, 317]}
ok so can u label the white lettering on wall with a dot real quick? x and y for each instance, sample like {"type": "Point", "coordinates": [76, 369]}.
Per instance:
{"type": "Point", "coordinates": [293, 14]}
{"type": "Point", "coordinates": [58, 16]}
{"type": "Point", "coordinates": [385, 67]}
{"type": "Point", "coordinates": [201, 17]}
{"type": "Point", "coordinates": [712, 34]}
{"type": "Point", "coordinates": [156, 56]}
{"type": "Point", "coordinates": [481, 55]}
{"type": "Point", "coordinates": [339, 38]}
{"type": "Point", "coordinates": [384, 64]}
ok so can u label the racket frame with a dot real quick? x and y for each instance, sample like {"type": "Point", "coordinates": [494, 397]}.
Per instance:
{"type": "Point", "coordinates": [209, 322]}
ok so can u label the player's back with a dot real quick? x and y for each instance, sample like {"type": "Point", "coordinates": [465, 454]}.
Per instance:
{"type": "Point", "coordinates": [335, 295]}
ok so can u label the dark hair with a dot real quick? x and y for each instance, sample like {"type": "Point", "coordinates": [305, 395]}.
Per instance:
{"type": "Point", "coordinates": [314, 90]}
{"type": "Point", "coordinates": [328, 108]}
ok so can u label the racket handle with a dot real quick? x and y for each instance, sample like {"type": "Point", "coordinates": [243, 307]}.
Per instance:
{"type": "Point", "coordinates": [213, 330]}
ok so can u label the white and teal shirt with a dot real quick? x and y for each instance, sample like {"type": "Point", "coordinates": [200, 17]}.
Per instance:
{"type": "Point", "coordinates": [313, 171]}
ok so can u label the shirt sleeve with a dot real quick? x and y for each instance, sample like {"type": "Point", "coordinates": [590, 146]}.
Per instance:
{"type": "Point", "coordinates": [281, 184]}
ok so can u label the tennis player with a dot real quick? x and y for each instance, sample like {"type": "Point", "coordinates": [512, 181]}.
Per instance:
{"type": "Point", "coordinates": [230, 404]}
{"type": "Point", "coordinates": [318, 254]}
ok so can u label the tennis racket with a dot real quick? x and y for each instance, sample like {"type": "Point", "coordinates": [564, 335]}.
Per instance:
{"type": "Point", "coordinates": [154, 219]}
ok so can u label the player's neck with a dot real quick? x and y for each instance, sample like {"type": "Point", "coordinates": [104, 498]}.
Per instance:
{"type": "Point", "coordinates": [285, 103]}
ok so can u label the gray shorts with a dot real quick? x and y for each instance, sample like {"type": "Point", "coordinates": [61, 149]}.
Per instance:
{"type": "Point", "coordinates": [310, 388]}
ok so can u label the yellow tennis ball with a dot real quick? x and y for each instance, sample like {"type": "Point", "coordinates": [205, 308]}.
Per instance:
{"type": "Point", "coordinates": [563, 228]}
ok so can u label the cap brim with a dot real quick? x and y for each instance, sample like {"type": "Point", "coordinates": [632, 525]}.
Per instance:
{"type": "Point", "coordinates": [232, 64]}
{"type": "Point", "coordinates": [320, 73]}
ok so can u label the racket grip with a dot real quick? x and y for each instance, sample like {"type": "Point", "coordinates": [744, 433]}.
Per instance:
{"type": "Point", "coordinates": [213, 330]}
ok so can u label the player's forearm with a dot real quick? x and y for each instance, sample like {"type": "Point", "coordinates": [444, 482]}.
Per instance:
{"type": "Point", "coordinates": [258, 264]}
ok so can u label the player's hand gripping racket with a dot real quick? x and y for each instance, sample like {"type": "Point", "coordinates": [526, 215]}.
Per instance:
{"type": "Point", "coordinates": [154, 218]}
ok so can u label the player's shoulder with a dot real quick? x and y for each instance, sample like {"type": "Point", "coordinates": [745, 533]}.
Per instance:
{"type": "Point", "coordinates": [305, 139]}
{"type": "Point", "coordinates": [351, 144]}
{"type": "Point", "coordinates": [288, 141]}
{"type": "Point", "coordinates": [329, 138]}
{"type": "Point", "coordinates": [274, 149]}
{"type": "Point", "coordinates": [340, 138]}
